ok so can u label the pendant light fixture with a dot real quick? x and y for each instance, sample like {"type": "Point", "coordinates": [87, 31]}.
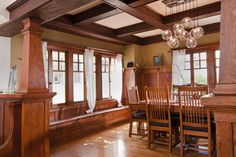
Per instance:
{"type": "Point", "coordinates": [186, 29]}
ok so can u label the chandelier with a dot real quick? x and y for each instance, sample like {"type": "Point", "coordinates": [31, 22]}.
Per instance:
{"type": "Point", "coordinates": [185, 30]}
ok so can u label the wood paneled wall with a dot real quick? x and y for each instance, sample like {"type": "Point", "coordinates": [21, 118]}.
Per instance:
{"type": "Point", "coordinates": [5, 124]}
{"type": "Point", "coordinates": [156, 77]}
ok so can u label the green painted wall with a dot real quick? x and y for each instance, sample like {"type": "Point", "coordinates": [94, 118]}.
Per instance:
{"type": "Point", "coordinates": [143, 55]}
{"type": "Point", "coordinates": [17, 40]}
{"type": "Point", "coordinates": [75, 39]}
{"type": "Point", "coordinates": [148, 51]}
{"type": "Point", "coordinates": [132, 53]}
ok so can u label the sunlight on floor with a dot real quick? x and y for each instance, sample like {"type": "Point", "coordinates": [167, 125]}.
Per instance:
{"type": "Point", "coordinates": [114, 142]}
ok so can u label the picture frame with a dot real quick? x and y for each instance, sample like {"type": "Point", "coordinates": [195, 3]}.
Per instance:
{"type": "Point", "coordinates": [158, 60]}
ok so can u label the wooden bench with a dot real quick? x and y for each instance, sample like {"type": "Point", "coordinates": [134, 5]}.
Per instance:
{"type": "Point", "coordinates": [70, 128]}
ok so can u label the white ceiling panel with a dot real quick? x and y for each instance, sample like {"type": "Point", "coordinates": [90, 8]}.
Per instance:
{"type": "Point", "coordinates": [149, 33]}
{"type": "Point", "coordinates": [4, 14]}
{"type": "Point", "coordinates": [161, 8]}
{"type": "Point", "coordinates": [209, 20]}
{"type": "Point", "coordinates": [119, 21]}
{"type": "Point", "coordinates": [85, 7]}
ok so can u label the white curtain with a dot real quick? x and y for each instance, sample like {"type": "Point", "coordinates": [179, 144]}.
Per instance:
{"type": "Point", "coordinates": [178, 67]}
{"type": "Point", "coordinates": [90, 82]}
{"type": "Point", "coordinates": [45, 61]}
{"type": "Point", "coordinates": [116, 79]}
{"type": "Point", "coordinates": [131, 82]}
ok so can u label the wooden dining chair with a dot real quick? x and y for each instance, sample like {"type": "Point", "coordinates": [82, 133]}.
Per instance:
{"type": "Point", "coordinates": [137, 111]}
{"type": "Point", "coordinates": [159, 118]}
{"type": "Point", "coordinates": [194, 119]}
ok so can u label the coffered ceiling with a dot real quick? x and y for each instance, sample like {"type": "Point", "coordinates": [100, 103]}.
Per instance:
{"type": "Point", "coordinates": [160, 8]}
{"type": "Point", "coordinates": [120, 21]}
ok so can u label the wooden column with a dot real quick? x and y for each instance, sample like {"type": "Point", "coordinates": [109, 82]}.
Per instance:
{"type": "Point", "coordinates": [31, 103]}
{"type": "Point", "coordinates": [32, 77]}
{"type": "Point", "coordinates": [35, 96]}
{"type": "Point", "coordinates": [223, 102]}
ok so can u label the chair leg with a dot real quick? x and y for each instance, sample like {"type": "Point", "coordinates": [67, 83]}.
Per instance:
{"type": "Point", "coordinates": [209, 146]}
{"type": "Point", "coordinates": [170, 141]}
{"type": "Point", "coordinates": [130, 128]}
{"type": "Point", "coordinates": [182, 145]}
{"type": "Point", "coordinates": [149, 138]}
{"type": "Point", "coordinates": [213, 142]}
{"type": "Point", "coordinates": [138, 127]}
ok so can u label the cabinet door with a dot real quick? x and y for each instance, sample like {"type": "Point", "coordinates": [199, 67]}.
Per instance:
{"type": "Point", "coordinates": [165, 77]}
{"type": "Point", "coordinates": [149, 79]}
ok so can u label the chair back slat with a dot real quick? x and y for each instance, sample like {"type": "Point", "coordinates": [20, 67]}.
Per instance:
{"type": "Point", "coordinates": [191, 109]}
{"type": "Point", "coordinates": [157, 100]}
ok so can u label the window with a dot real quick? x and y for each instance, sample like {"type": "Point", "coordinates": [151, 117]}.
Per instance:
{"type": "Point", "coordinates": [78, 77]}
{"type": "Point", "coordinates": [200, 67]}
{"type": "Point", "coordinates": [66, 74]}
{"type": "Point", "coordinates": [217, 58]}
{"type": "Point", "coordinates": [105, 77]}
{"type": "Point", "coordinates": [59, 77]}
{"type": "Point", "coordinates": [196, 63]}
{"type": "Point", "coordinates": [187, 70]}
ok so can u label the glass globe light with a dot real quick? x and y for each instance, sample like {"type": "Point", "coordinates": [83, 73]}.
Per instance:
{"type": "Point", "coordinates": [191, 42]}
{"type": "Point", "coordinates": [178, 32]}
{"type": "Point", "coordinates": [184, 35]}
{"type": "Point", "coordinates": [173, 42]}
{"type": "Point", "coordinates": [166, 34]}
{"type": "Point", "coordinates": [197, 32]}
{"type": "Point", "coordinates": [177, 26]}
{"type": "Point", "coordinates": [187, 23]}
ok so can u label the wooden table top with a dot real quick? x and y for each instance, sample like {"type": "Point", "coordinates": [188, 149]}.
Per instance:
{"type": "Point", "coordinates": [142, 105]}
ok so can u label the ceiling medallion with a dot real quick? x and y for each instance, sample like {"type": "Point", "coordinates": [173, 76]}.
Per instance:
{"type": "Point", "coordinates": [185, 30]}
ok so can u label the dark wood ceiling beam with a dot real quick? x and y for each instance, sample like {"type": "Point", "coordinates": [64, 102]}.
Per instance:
{"type": "Point", "coordinates": [137, 3]}
{"type": "Point", "coordinates": [44, 10]}
{"type": "Point", "coordinates": [96, 13]}
{"type": "Point", "coordinates": [21, 7]}
{"type": "Point", "coordinates": [138, 13]}
{"type": "Point", "coordinates": [203, 12]}
{"type": "Point", "coordinates": [100, 28]}
{"type": "Point", "coordinates": [103, 11]}
{"type": "Point", "coordinates": [200, 12]}
{"type": "Point", "coordinates": [89, 31]}
{"type": "Point", "coordinates": [133, 29]}
{"type": "Point", "coordinates": [208, 29]}
{"type": "Point", "coordinates": [58, 8]}
{"type": "Point", "coordinates": [111, 33]}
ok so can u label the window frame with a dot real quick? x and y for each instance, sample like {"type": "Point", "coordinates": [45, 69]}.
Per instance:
{"type": "Point", "coordinates": [107, 71]}
{"type": "Point", "coordinates": [50, 70]}
{"type": "Point", "coordinates": [211, 64]}
{"type": "Point", "coordinates": [69, 51]}
{"type": "Point", "coordinates": [78, 71]}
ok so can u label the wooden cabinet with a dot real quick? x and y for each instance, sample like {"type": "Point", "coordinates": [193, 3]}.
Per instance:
{"type": "Point", "coordinates": [151, 77]}
{"type": "Point", "coordinates": [156, 77]}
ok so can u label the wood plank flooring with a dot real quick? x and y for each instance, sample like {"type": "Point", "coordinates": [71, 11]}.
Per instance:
{"type": "Point", "coordinates": [114, 142]}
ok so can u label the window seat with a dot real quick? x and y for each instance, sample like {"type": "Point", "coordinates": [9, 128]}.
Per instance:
{"type": "Point", "coordinates": [65, 129]}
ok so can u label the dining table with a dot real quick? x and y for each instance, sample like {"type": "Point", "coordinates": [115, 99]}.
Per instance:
{"type": "Point", "coordinates": [141, 105]}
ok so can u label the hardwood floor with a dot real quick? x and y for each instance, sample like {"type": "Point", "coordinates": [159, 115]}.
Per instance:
{"type": "Point", "coordinates": [114, 142]}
